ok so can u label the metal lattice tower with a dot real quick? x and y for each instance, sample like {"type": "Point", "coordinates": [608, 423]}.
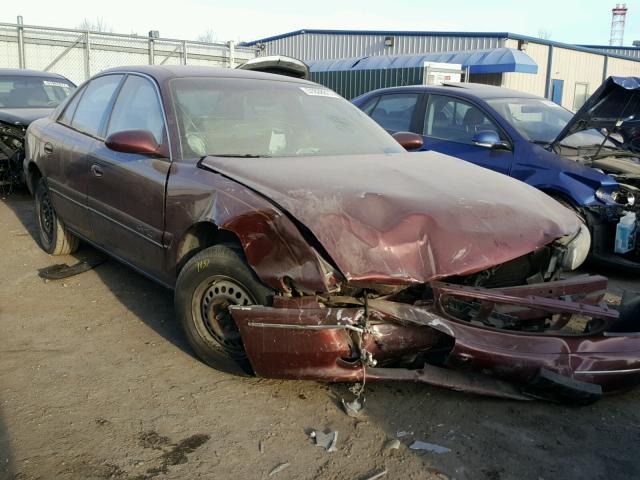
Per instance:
{"type": "Point", "coordinates": [618, 17]}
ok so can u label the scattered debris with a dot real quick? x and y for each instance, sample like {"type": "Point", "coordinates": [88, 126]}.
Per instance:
{"type": "Point", "coordinates": [279, 468]}
{"type": "Point", "coordinates": [429, 447]}
{"type": "Point", "coordinates": [62, 270]}
{"type": "Point", "coordinates": [354, 408]}
{"type": "Point", "coordinates": [326, 440]}
{"type": "Point", "coordinates": [403, 434]}
{"type": "Point", "coordinates": [393, 444]}
{"type": "Point", "coordinates": [376, 475]}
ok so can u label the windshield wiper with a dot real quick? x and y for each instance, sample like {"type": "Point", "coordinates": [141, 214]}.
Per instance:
{"type": "Point", "coordinates": [239, 155]}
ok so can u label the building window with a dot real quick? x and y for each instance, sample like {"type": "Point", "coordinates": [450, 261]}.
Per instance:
{"type": "Point", "coordinates": [581, 95]}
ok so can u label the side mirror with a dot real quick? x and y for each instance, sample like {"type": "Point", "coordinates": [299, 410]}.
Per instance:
{"type": "Point", "coordinates": [490, 139]}
{"type": "Point", "coordinates": [134, 141]}
{"type": "Point", "coordinates": [410, 141]}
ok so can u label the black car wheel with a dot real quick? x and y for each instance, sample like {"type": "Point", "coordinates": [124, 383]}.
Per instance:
{"type": "Point", "coordinates": [210, 282]}
{"type": "Point", "coordinates": [54, 237]}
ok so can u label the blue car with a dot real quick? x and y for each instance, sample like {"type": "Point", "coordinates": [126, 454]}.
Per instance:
{"type": "Point", "coordinates": [586, 161]}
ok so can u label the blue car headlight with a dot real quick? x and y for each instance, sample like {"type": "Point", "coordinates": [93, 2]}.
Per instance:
{"type": "Point", "coordinates": [620, 196]}
{"type": "Point", "coordinates": [576, 248]}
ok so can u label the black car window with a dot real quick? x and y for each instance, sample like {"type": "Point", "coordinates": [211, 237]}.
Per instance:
{"type": "Point", "coordinates": [394, 112]}
{"type": "Point", "coordinates": [137, 108]}
{"type": "Point", "coordinates": [92, 109]}
{"type": "Point", "coordinates": [33, 92]}
{"type": "Point", "coordinates": [452, 119]}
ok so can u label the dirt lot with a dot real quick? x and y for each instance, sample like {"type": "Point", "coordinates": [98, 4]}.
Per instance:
{"type": "Point", "coordinates": [96, 382]}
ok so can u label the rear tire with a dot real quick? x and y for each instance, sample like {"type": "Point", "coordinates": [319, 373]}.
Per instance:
{"type": "Point", "coordinates": [209, 282]}
{"type": "Point", "coordinates": [53, 236]}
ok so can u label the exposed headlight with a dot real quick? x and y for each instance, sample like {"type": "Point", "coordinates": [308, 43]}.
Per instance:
{"type": "Point", "coordinates": [621, 196]}
{"type": "Point", "coordinates": [577, 249]}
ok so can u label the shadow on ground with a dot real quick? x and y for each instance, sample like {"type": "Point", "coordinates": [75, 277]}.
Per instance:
{"type": "Point", "coordinates": [6, 459]}
{"type": "Point", "coordinates": [144, 298]}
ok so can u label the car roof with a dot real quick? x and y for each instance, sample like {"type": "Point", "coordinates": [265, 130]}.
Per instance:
{"type": "Point", "coordinates": [477, 90]}
{"type": "Point", "coordinates": [162, 73]}
{"type": "Point", "coordinates": [23, 72]}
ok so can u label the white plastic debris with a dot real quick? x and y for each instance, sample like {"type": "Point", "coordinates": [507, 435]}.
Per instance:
{"type": "Point", "coordinates": [429, 447]}
{"type": "Point", "coordinates": [326, 440]}
{"type": "Point", "coordinates": [279, 468]}
{"type": "Point", "coordinates": [354, 408]}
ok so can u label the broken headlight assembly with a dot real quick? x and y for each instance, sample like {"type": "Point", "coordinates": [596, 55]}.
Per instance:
{"type": "Point", "coordinates": [619, 196]}
{"type": "Point", "coordinates": [576, 248]}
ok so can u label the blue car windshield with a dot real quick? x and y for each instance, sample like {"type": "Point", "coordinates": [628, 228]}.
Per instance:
{"type": "Point", "coordinates": [540, 121]}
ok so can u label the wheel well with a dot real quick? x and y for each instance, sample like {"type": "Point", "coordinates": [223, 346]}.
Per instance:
{"type": "Point", "coordinates": [32, 176]}
{"type": "Point", "coordinates": [200, 236]}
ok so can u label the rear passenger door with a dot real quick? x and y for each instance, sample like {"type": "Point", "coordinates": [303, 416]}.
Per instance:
{"type": "Point", "coordinates": [450, 125]}
{"type": "Point", "coordinates": [127, 190]}
{"type": "Point", "coordinates": [395, 112]}
{"type": "Point", "coordinates": [69, 144]}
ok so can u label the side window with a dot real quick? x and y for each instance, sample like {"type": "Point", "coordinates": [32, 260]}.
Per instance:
{"type": "Point", "coordinates": [137, 108]}
{"type": "Point", "coordinates": [70, 108]}
{"type": "Point", "coordinates": [368, 107]}
{"type": "Point", "coordinates": [394, 112]}
{"type": "Point", "coordinates": [455, 120]}
{"type": "Point", "coordinates": [92, 108]}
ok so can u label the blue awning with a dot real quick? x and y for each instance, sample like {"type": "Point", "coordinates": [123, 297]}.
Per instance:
{"type": "Point", "coordinates": [494, 60]}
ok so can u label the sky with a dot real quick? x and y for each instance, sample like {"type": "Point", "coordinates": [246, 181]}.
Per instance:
{"type": "Point", "coordinates": [571, 21]}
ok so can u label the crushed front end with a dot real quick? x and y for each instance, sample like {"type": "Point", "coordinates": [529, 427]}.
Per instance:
{"type": "Point", "coordinates": [11, 153]}
{"type": "Point", "coordinates": [554, 340]}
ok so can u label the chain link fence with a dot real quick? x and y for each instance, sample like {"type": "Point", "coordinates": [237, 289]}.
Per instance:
{"type": "Point", "coordinates": [78, 54]}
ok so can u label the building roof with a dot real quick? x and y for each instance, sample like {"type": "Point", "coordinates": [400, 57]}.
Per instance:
{"type": "Point", "coordinates": [493, 60]}
{"type": "Point", "coordinates": [413, 33]}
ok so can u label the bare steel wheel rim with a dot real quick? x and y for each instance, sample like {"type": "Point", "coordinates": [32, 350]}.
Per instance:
{"type": "Point", "coordinates": [46, 216]}
{"type": "Point", "coordinates": [216, 296]}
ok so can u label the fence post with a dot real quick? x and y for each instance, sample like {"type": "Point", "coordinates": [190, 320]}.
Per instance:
{"type": "Point", "coordinates": [184, 53]}
{"type": "Point", "coordinates": [21, 57]}
{"type": "Point", "coordinates": [232, 53]}
{"type": "Point", "coordinates": [87, 56]}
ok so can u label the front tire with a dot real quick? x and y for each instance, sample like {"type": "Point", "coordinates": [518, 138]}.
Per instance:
{"type": "Point", "coordinates": [53, 236]}
{"type": "Point", "coordinates": [208, 284]}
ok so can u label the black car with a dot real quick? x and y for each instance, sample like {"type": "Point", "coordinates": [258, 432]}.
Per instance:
{"type": "Point", "coordinates": [25, 96]}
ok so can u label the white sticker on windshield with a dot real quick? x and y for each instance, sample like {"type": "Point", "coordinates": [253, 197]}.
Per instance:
{"type": "Point", "coordinates": [50, 83]}
{"type": "Point", "coordinates": [319, 92]}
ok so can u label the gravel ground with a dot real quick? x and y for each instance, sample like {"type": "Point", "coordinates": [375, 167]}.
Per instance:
{"type": "Point", "coordinates": [97, 382]}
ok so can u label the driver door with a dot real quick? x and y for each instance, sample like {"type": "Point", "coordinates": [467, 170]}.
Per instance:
{"type": "Point", "coordinates": [126, 191]}
{"type": "Point", "coordinates": [450, 125]}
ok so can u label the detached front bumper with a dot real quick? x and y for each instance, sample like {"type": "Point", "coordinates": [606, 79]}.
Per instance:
{"type": "Point", "coordinates": [385, 340]}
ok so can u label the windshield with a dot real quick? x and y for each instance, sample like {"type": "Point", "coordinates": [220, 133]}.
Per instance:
{"type": "Point", "coordinates": [540, 121]}
{"type": "Point", "coordinates": [248, 117]}
{"type": "Point", "coordinates": [33, 92]}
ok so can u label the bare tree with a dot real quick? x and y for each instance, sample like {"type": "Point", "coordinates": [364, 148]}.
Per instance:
{"type": "Point", "coordinates": [207, 36]}
{"type": "Point", "coordinates": [97, 25]}
{"type": "Point", "coordinates": [544, 34]}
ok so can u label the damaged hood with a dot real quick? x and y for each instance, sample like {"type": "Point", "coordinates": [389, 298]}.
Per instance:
{"type": "Point", "coordinates": [616, 100]}
{"type": "Point", "coordinates": [23, 116]}
{"type": "Point", "coordinates": [406, 217]}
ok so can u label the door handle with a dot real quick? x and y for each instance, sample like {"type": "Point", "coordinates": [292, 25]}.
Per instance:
{"type": "Point", "coordinates": [48, 148]}
{"type": "Point", "coordinates": [96, 170]}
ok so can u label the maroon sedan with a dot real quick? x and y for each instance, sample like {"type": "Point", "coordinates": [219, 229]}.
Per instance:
{"type": "Point", "coordinates": [302, 241]}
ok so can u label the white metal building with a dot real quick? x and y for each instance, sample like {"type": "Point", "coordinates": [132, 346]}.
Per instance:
{"type": "Point", "coordinates": [566, 73]}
